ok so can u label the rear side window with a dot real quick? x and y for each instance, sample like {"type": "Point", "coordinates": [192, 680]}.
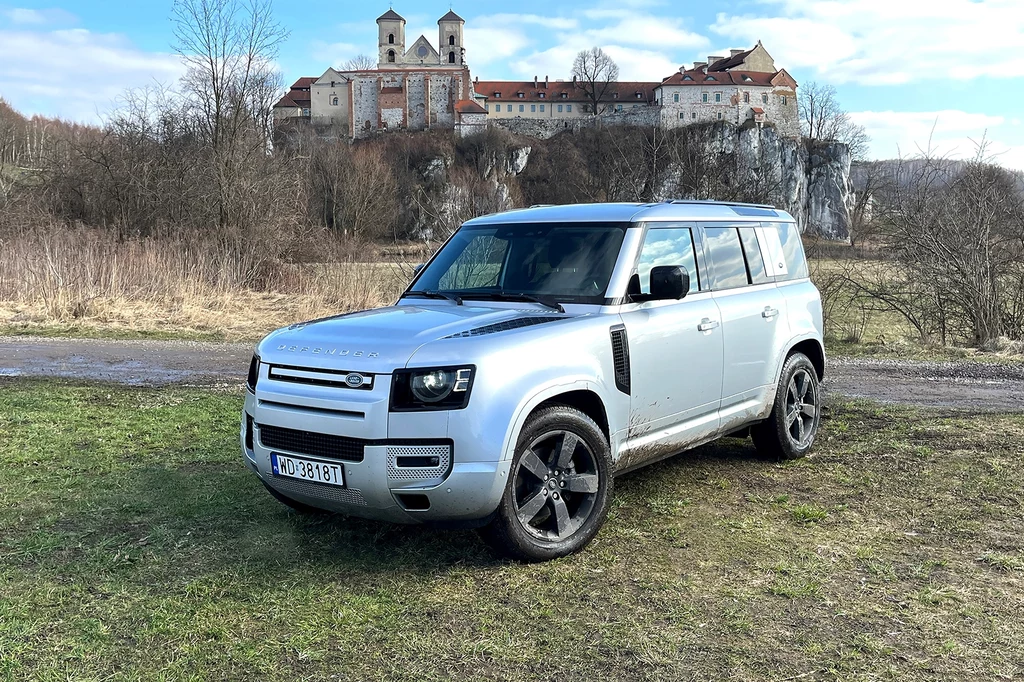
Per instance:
{"type": "Point", "coordinates": [667, 246]}
{"type": "Point", "coordinates": [728, 268]}
{"type": "Point", "coordinates": [792, 250]}
{"type": "Point", "coordinates": [752, 252]}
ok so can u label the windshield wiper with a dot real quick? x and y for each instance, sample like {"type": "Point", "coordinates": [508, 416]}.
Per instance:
{"type": "Point", "coordinates": [434, 294]}
{"type": "Point", "coordinates": [516, 296]}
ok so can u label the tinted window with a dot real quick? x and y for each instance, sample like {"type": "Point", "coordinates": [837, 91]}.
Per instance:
{"type": "Point", "coordinates": [752, 252]}
{"type": "Point", "coordinates": [566, 262]}
{"type": "Point", "coordinates": [793, 251]}
{"type": "Point", "coordinates": [728, 269]}
{"type": "Point", "coordinates": [477, 266]}
{"type": "Point", "coordinates": [667, 246]}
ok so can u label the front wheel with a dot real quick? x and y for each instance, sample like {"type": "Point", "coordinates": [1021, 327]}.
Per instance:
{"type": "Point", "coordinates": [559, 487]}
{"type": "Point", "coordinates": [790, 429]}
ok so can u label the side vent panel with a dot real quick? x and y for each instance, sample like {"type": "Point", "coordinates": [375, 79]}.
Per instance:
{"type": "Point", "coordinates": [620, 358]}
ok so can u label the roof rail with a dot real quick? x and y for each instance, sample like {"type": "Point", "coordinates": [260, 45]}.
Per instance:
{"type": "Point", "coordinates": [718, 203]}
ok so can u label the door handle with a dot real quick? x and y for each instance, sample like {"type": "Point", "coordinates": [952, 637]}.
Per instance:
{"type": "Point", "coordinates": [769, 312]}
{"type": "Point", "coordinates": [707, 325]}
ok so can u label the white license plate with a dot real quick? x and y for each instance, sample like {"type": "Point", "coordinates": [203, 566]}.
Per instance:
{"type": "Point", "coordinates": [307, 470]}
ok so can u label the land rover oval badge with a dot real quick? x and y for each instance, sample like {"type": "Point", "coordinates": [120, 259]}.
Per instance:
{"type": "Point", "coordinates": [354, 380]}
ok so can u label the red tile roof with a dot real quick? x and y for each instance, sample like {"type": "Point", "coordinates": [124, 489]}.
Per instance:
{"type": "Point", "coordinates": [723, 77]}
{"type": "Point", "coordinates": [468, 106]}
{"type": "Point", "coordinates": [757, 110]}
{"type": "Point", "coordinates": [303, 83]}
{"type": "Point", "coordinates": [509, 90]}
{"type": "Point", "coordinates": [285, 101]}
{"type": "Point", "coordinates": [390, 91]}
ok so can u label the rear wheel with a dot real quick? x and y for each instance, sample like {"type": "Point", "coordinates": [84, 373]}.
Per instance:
{"type": "Point", "coordinates": [559, 487]}
{"type": "Point", "coordinates": [790, 430]}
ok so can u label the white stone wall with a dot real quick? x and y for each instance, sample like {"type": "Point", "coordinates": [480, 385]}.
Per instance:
{"type": "Point", "coordinates": [781, 111]}
{"type": "Point", "coordinates": [780, 108]}
{"type": "Point", "coordinates": [470, 124]}
{"type": "Point", "coordinates": [416, 92]}
{"type": "Point", "coordinates": [392, 118]}
{"type": "Point", "coordinates": [364, 106]}
{"type": "Point", "coordinates": [441, 90]}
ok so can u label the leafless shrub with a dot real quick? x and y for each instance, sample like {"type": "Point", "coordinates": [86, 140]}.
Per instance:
{"type": "Point", "coordinates": [955, 231]}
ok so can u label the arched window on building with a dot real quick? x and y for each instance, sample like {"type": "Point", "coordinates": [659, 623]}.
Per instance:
{"type": "Point", "coordinates": [391, 39]}
{"type": "Point", "coordinates": [451, 40]}
{"type": "Point", "coordinates": [451, 57]}
{"type": "Point", "coordinates": [334, 101]}
{"type": "Point", "coordinates": [391, 56]}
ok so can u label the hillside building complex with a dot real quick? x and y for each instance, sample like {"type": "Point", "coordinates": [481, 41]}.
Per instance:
{"type": "Point", "coordinates": [422, 87]}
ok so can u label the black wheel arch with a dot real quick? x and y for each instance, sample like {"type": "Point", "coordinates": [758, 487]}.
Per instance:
{"type": "Point", "coordinates": [814, 351]}
{"type": "Point", "coordinates": [587, 402]}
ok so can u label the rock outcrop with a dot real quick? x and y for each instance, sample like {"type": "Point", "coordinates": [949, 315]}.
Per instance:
{"type": "Point", "coordinates": [810, 181]}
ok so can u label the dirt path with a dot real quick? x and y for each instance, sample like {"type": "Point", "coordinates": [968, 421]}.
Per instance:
{"type": "Point", "coordinates": [962, 385]}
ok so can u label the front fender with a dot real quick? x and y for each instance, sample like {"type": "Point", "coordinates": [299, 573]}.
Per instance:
{"type": "Point", "coordinates": [529, 404]}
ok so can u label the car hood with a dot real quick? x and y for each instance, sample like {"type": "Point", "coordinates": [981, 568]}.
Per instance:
{"type": "Point", "coordinates": [382, 339]}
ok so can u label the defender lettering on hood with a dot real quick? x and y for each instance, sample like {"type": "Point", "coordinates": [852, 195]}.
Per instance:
{"type": "Point", "coordinates": [328, 351]}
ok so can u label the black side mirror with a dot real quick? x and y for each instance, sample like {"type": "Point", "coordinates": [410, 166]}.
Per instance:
{"type": "Point", "coordinates": [669, 283]}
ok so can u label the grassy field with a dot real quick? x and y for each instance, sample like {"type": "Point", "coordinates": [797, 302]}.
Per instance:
{"type": "Point", "coordinates": [135, 545]}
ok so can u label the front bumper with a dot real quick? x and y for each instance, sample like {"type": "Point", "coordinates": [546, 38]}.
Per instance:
{"type": "Point", "coordinates": [465, 487]}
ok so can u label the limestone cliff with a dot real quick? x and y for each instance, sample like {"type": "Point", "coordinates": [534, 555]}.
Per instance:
{"type": "Point", "coordinates": [496, 171]}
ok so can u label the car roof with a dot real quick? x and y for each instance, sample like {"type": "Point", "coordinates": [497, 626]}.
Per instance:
{"type": "Point", "coordinates": [673, 210]}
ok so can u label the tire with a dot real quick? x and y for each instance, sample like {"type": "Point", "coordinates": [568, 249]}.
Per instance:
{"type": "Point", "coordinates": [545, 518]}
{"type": "Point", "coordinates": [294, 504]}
{"type": "Point", "coordinates": [792, 426]}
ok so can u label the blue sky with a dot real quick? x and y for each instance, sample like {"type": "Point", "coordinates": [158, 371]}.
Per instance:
{"type": "Point", "coordinates": [951, 71]}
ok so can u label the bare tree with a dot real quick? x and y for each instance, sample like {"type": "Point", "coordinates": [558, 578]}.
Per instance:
{"type": "Point", "coordinates": [229, 47]}
{"type": "Point", "coordinates": [955, 232]}
{"type": "Point", "coordinates": [594, 71]}
{"type": "Point", "coordinates": [822, 119]}
{"type": "Point", "coordinates": [361, 62]}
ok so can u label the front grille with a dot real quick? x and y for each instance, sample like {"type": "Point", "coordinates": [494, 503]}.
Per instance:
{"type": "Point", "coordinates": [515, 323]}
{"type": "Point", "coordinates": [418, 454]}
{"type": "Point", "coordinates": [321, 377]}
{"type": "Point", "coordinates": [317, 490]}
{"type": "Point", "coordinates": [313, 444]}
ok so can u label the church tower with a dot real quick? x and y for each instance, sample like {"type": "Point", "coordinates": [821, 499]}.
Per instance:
{"type": "Point", "coordinates": [391, 39]}
{"type": "Point", "coordinates": [449, 38]}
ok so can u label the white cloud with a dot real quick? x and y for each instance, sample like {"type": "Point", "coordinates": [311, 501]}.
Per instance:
{"type": "Point", "coordinates": [486, 44]}
{"type": "Point", "coordinates": [951, 133]}
{"type": "Point", "coordinates": [644, 46]}
{"type": "Point", "coordinates": [75, 73]}
{"type": "Point", "coordinates": [336, 54]}
{"type": "Point", "coordinates": [36, 17]}
{"type": "Point", "coordinates": [890, 42]}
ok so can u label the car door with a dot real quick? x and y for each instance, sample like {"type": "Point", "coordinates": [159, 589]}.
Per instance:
{"type": "Point", "coordinates": [752, 309]}
{"type": "Point", "coordinates": [675, 350]}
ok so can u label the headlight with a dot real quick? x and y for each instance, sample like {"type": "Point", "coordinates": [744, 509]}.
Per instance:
{"type": "Point", "coordinates": [435, 388]}
{"type": "Point", "coordinates": [254, 373]}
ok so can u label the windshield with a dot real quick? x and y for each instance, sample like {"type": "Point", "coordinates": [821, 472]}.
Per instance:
{"type": "Point", "coordinates": [561, 262]}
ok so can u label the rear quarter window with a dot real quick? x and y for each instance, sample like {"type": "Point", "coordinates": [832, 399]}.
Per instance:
{"type": "Point", "coordinates": [792, 250]}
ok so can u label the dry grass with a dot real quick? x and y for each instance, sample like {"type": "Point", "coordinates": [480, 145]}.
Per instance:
{"type": "Point", "coordinates": [135, 545]}
{"type": "Point", "coordinates": [231, 289]}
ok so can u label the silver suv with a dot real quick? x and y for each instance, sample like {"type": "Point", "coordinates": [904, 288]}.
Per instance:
{"type": "Point", "coordinates": [536, 356]}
